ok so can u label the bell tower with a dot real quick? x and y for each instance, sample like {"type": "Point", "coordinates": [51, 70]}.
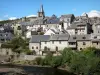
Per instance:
{"type": "Point", "coordinates": [41, 12]}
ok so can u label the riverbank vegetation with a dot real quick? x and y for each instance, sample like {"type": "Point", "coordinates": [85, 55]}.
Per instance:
{"type": "Point", "coordinates": [85, 62]}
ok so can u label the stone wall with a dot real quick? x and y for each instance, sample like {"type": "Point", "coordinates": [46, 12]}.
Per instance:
{"type": "Point", "coordinates": [28, 57]}
{"type": "Point", "coordinates": [5, 51]}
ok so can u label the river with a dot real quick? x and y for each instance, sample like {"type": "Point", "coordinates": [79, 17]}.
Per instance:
{"type": "Point", "coordinates": [34, 70]}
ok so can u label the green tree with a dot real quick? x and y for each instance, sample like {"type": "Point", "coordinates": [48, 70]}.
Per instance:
{"type": "Point", "coordinates": [48, 58]}
{"type": "Point", "coordinates": [17, 45]}
{"type": "Point", "coordinates": [85, 63]}
{"type": "Point", "coordinates": [66, 55]}
{"type": "Point", "coordinates": [38, 60]}
{"type": "Point", "coordinates": [56, 61]}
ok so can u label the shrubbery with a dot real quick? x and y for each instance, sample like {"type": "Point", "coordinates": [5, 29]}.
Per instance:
{"type": "Point", "coordinates": [85, 62]}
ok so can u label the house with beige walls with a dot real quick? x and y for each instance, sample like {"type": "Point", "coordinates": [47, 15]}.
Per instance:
{"type": "Point", "coordinates": [53, 43]}
{"type": "Point", "coordinates": [41, 44]}
{"type": "Point", "coordinates": [79, 28]}
{"type": "Point", "coordinates": [35, 43]}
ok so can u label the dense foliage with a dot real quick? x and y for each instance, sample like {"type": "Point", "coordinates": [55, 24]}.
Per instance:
{"type": "Point", "coordinates": [17, 45]}
{"type": "Point", "coordinates": [86, 62]}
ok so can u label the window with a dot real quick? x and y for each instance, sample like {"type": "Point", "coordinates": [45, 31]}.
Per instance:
{"type": "Point", "coordinates": [71, 43]}
{"type": "Point", "coordinates": [45, 48]}
{"type": "Point", "coordinates": [32, 47]}
{"type": "Point", "coordinates": [84, 43]}
{"type": "Point", "coordinates": [2, 39]}
{"type": "Point", "coordinates": [68, 20]}
{"type": "Point", "coordinates": [52, 42]}
{"type": "Point", "coordinates": [45, 42]}
{"type": "Point", "coordinates": [95, 37]}
{"type": "Point", "coordinates": [84, 37]}
{"type": "Point", "coordinates": [74, 37]}
{"type": "Point", "coordinates": [36, 47]}
{"type": "Point", "coordinates": [59, 42]}
{"type": "Point", "coordinates": [18, 28]}
{"type": "Point", "coordinates": [80, 48]}
{"type": "Point", "coordinates": [75, 32]}
{"type": "Point", "coordinates": [56, 48]}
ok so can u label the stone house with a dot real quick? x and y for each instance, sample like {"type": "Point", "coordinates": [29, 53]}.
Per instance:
{"type": "Point", "coordinates": [66, 20]}
{"type": "Point", "coordinates": [17, 29]}
{"type": "Point", "coordinates": [54, 43]}
{"type": "Point", "coordinates": [79, 28]}
{"type": "Point", "coordinates": [35, 43]}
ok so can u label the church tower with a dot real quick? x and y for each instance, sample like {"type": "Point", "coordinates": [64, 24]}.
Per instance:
{"type": "Point", "coordinates": [41, 12]}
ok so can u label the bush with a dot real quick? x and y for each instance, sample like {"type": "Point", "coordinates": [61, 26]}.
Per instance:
{"type": "Point", "coordinates": [85, 63]}
{"type": "Point", "coordinates": [38, 60]}
{"type": "Point", "coordinates": [5, 45]}
{"type": "Point", "coordinates": [48, 58]}
{"type": "Point", "coordinates": [56, 61]}
{"type": "Point", "coordinates": [28, 52]}
{"type": "Point", "coordinates": [66, 55]}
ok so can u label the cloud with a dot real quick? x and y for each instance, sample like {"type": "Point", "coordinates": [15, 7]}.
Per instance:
{"type": "Point", "coordinates": [5, 16]}
{"type": "Point", "coordinates": [94, 13]}
{"type": "Point", "coordinates": [31, 16]}
{"type": "Point", "coordinates": [74, 9]}
{"type": "Point", "coordinates": [12, 18]}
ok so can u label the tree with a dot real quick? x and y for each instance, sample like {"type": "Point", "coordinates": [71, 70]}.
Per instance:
{"type": "Point", "coordinates": [38, 60]}
{"type": "Point", "coordinates": [85, 63]}
{"type": "Point", "coordinates": [17, 45]}
{"type": "Point", "coordinates": [48, 58]}
{"type": "Point", "coordinates": [56, 61]}
{"type": "Point", "coordinates": [66, 55]}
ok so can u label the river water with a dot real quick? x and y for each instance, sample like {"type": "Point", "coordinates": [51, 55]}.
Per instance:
{"type": "Point", "coordinates": [33, 70]}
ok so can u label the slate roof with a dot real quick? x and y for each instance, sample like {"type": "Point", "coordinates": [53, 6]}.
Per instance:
{"type": "Point", "coordinates": [59, 37]}
{"type": "Point", "coordinates": [40, 21]}
{"type": "Point", "coordinates": [74, 38]}
{"type": "Point", "coordinates": [54, 31]}
{"type": "Point", "coordinates": [75, 24]}
{"type": "Point", "coordinates": [27, 23]}
{"type": "Point", "coordinates": [67, 16]}
{"type": "Point", "coordinates": [97, 23]}
{"type": "Point", "coordinates": [95, 40]}
{"type": "Point", "coordinates": [53, 20]}
{"type": "Point", "coordinates": [63, 32]}
{"type": "Point", "coordinates": [39, 38]}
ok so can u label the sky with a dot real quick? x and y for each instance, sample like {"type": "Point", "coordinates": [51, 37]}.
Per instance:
{"type": "Point", "coordinates": [21, 8]}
